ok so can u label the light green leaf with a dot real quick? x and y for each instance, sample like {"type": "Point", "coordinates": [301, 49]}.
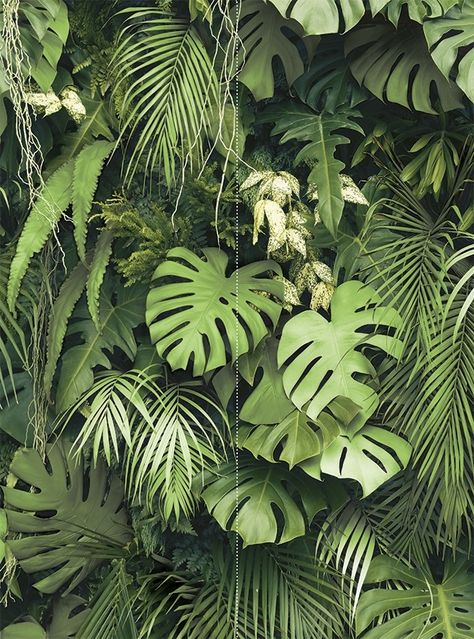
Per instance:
{"type": "Point", "coordinates": [420, 608]}
{"type": "Point", "coordinates": [328, 353]}
{"type": "Point", "coordinates": [318, 17]}
{"type": "Point", "coordinates": [98, 266]}
{"type": "Point", "coordinates": [193, 317]}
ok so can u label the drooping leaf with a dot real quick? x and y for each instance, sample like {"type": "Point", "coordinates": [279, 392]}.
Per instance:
{"type": "Point", "coordinates": [318, 17]}
{"type": "Point", "coordinates": [41, 221]}
{"type": "Point", "coordinates": [263, 490]}
{"type": "Point", "coordinates": [451, 42]}
{"type": "Point", "coordinates": [322, 135]}
{"type": "Point", "coordinates": [120, 313]}
{"type": "Point", "coordinates": [396, 66]}
{"type": "Point", "coordinates": [328, 355]}
{"type": "Point", "coordinates": [87, 168]}
{"type": "Point", "coordinates": [193, 317]}
{"type": "Point", "coordinates": [63, 523]}
{"type": "Point", "coordinates": [422, 608]}
{"type": "Point", "coordinates": [263, 40]}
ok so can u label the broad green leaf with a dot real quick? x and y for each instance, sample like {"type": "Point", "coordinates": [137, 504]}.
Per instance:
{"type": "Point", "coordinates": [263, 40]}
{"type": "Point", "coordinates": [23, 630]}
{"type": "Point", "coordinates": [81, 523]}
{"type": "Point", "coordinates": [42, 220]}
{"type": "Point", "coordinates": [322, 134]}
{"type": "Point", "coordinates": [420, 608]}
{"type": "Point", "coordinates": [120, 313]}
{"type": "Point", "coordinates": [371, 457]}
{"type": "Point", "coordinates": [418, 10]}
{"type": "Point", "coordinates": [267, 402]}
{"type": "Point", "coordinates": [268, 506]}
{"type": "Point", "coordinates": [318, 17]}
{"type": "Point", "coordinates": [323, 357]}
{"type": "Point", "coordinates": [192, 319]}
{"type": "Point", "coordinates": [451, 43]}
{"type": "Point", "coordinates": [396, 66]}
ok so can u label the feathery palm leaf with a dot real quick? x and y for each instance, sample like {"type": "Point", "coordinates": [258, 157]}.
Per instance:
{"type": "Point", "coordinates": [169, 83]}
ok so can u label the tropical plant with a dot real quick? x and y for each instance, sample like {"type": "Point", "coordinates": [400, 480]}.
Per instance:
{"type": "Point", "coordinates": [236, 319]}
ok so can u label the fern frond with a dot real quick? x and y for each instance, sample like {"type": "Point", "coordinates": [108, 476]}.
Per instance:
{"type": "Point", "coordinates": [87, 169]}
{"type": "Point", "coordinates": [63, 307]}
{"type": "Point", "coordinates": [44, 216]}
{"type": "Point", "coordinates": [98, 266]}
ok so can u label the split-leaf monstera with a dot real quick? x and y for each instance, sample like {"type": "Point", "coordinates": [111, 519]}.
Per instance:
{"type": "Point", "coordinates": [60, 520]}
{"type": "Point", "coordinates": [193, 318]}
{"type": "Point", "coordinates": [322, 357]}
{"type": "Point", "coordinates": [420, 607]}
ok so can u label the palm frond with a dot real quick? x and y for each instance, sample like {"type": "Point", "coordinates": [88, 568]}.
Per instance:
{"type": "Point", "coordinates": [167, 83]}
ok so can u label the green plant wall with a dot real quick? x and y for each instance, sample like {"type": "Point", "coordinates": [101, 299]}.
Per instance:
{"type": "Point", "coordinates": [236, 319]}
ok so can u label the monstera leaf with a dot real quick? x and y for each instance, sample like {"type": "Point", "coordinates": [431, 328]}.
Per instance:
{"type": "Point", "coordinates": [418, 10]}
{"type": "Point", "coordinates": [323, 356]}
{"type": "Point", "coordinates": [318, 17]}
{"type": "Point", "coordinates": [371, 457]}
{"type": "Point", "coordinates": [61, 520]}
{"type": "Point", "coordinates": [420, 608]}
{"type": "Point", "coordinates": [322, 133]}
{"type": "Point", "coordinates": [64, 624]}
{"type": "Point", "coordinates": [263, 39]}
{"type": "Point", "coordinates": [451, 43]}
{"type": "Point", "coordinates": [269, 498]}
{"type": "Point", "coordinates": [267, 403]}
{"type": "Point", "coordinates": [396, 66]}
{"type": "Point", "coordinates": [193, 318]}
{"type": "Point", "coordinates": [294, 439]}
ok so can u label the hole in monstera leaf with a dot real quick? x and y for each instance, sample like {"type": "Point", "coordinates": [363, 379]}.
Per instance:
{"type": "Point", "coordinates": [46, 514]}
{"type": "Point", "coordinates": [224, 301]}
{"type": "Point", "coordinates": [342, 459]}
{"type": "Point", "coordinates": [463, 626]}
{"type": "Point", "coordinates": [85, 486]}
{"type": "Point", "coordinates": [458, 594]}
{"type": "Point", "coordinates": [391, 451]}
{"type": "Point", "coordinates": [374, 459]}
{"type": "Point", "coordinates": [458, 609]}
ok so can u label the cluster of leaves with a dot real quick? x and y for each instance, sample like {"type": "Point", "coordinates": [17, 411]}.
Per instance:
{"type": "Point", "coordinates": [236, 322]}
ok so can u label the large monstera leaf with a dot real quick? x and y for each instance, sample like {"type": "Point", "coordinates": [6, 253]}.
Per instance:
{"type": "Point", "coordinates": [396, 66]}
{"type": "Point", "coordinates": [421, 608]}
{"type": "Point", "coordinates": [318, 17]}
{"type": "Point", "coordinates": [323, 357]}
{"type": "Point", "coordinates": [451, 43]}
{"type": "Point", "coordinates": [322, 134]}
{"type": "Point", "coordinates": [61, 521]}
{"type": "Point", "coordinates": [273, 504]}
{"type": "Point", "coordinates": [263, 40]}
{"type": "Point", "coordinates": [418, 10]}
{"type": "Point", "coordinates": [267, 402]}
{"type": "Point", "coordinates": [372, 456]}
{"type": "Point", "coordinates": [193, 318]}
